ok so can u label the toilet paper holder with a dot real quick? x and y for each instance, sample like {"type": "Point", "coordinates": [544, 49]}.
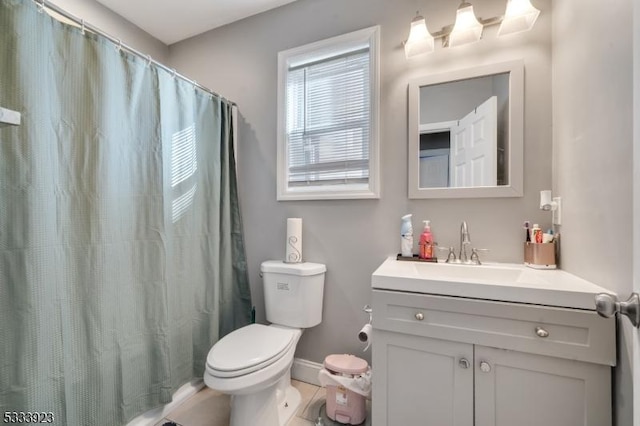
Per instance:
{"type": "Point", "coordinates": [364, 335]}
{"type": "Point", "coordinates": [368, 309]}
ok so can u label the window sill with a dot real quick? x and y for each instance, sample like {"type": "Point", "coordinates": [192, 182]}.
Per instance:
{"type": "Point", "coordinates": [326, 194]}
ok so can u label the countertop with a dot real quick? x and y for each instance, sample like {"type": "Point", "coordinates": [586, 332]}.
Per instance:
{"type": "Point", "coordinates": [491, 281]}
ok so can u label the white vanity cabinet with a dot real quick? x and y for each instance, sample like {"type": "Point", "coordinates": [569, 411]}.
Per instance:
{"type": "Point", "coordinates": [454, 361]}
{"type": "Point", "coordinates": [418, 381]}
{"type": "Point", "coordinates": [515, 388]}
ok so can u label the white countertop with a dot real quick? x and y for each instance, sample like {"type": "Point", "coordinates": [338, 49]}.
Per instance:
{"type": "Point", "coordinates": [490, 281]}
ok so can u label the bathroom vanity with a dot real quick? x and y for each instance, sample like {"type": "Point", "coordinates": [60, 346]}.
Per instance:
{"type": "Point", "coordinates": [488, 345]}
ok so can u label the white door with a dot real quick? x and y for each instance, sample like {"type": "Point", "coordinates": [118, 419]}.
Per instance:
{"type": "Point", "coordinates": [460, 135]}
{"type": "Point", "coordinates": [474, 147]}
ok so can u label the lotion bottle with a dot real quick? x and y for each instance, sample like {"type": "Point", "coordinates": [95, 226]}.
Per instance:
{"type": "Point", "coordinates": [426, 242]}
{"type": "Point", "coordinates": [406, 236]}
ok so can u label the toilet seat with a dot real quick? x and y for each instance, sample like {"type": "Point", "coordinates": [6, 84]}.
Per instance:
{"type": "Point", "coordinates": [249, 349]}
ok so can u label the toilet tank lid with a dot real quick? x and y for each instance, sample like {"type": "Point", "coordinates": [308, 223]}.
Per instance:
{"type": "Point", "coordinates": [303, 268]}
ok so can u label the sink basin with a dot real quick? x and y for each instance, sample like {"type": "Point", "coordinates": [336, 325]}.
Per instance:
{"type": "Point", "coordinates": [474, 273]}
{"type": "Point", "coordinates": [496, 281]}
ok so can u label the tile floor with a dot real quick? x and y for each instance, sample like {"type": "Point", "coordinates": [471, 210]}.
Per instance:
{"type": "Point", "coordinates": [211, 408]}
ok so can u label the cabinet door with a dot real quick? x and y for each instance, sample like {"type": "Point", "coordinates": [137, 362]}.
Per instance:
{"type": "Point", "coordinates": [515, 388]}
{"type": "Point", "coordinates": [421, 381]}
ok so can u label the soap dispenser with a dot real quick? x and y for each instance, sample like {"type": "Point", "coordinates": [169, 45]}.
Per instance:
{"type": "Point", "coordinates": [426, 242]}
{"type": "Point", "coordinates": [406, 236]}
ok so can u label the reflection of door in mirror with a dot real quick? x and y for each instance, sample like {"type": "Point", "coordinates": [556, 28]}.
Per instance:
{"type": "Point", "coordinates": [474, 147]}
{"type": "Point", "coordinates": [464, 103]}
{"type": "Point", "coordinates": [461, 153]}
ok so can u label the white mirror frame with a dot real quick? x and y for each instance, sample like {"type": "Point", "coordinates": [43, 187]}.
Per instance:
{"type": "Point", "coordinates": [515, 136]}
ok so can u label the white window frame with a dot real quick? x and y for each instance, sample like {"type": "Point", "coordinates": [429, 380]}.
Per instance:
{"type": "Point", "coordinates": [315, 51]}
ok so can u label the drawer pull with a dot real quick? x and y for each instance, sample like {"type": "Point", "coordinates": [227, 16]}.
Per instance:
{"type": "Point", "coordinates": [541, 332]}
{"type": "Point", "coordinates": [419, 316]}
{"type": "Point", "coordinates": [464, 363]}
{"type": "Point", "coordinates": [485, 367]}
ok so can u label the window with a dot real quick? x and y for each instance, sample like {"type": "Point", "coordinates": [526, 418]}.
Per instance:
{"type": "Point", "coordinates": [328, 118]}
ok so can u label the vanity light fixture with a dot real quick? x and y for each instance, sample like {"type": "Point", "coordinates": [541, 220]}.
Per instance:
{"type": "Point", "coordinates": [420, 40]}
{"type": "Point", "coordinates": [519, 16]}
{"type": "Point", "coordinates": [467, 28]}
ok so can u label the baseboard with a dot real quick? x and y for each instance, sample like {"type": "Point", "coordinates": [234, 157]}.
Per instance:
{"type": "Point", "coordinates": [153, 416]}
{"type": "Point", "coordinates": [305, 371]}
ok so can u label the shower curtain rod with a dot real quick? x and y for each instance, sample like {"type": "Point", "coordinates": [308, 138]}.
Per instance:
{"type": "Point", "coordinates": [120, 45]}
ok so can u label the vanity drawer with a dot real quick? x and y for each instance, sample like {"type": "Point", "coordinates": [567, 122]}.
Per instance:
{"type": "Point", "coordinates": [560, 332]}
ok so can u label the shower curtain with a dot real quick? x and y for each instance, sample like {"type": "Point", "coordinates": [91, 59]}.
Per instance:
{"type": "Point", "coordinates": [121, 249]}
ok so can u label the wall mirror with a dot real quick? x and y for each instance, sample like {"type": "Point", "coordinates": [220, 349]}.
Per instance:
{"type": "Point", "coordinates": [466, 133]}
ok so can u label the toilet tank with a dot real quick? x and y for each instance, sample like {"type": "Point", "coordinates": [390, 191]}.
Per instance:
{"type": "Point", "coordinates": [293, 292]}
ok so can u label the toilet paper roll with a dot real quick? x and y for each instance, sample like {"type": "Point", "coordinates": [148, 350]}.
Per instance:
{"type": "Point", "coordinates": [365, 335]}
{"type": "Point", "coordinates": [294, 240]}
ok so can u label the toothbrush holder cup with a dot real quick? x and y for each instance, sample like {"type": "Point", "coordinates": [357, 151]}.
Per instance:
{"type": "Point", "coordinates": [540, 255]}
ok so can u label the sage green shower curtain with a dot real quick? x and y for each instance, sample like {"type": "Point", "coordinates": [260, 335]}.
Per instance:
{"type": "Point", "coordinates": [121, 249]}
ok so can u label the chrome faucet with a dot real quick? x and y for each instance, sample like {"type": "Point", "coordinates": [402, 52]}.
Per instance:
{"type": "Point", "coordinates": [463, 257]}
{"type": "Point", "coordinates": [465, 239]}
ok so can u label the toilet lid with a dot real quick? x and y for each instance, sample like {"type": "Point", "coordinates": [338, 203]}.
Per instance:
{"type": "Point", "coordinates": [249, 348]}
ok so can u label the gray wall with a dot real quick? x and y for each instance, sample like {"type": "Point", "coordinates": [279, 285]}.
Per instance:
{"type": "Point", "coordinates": [452, 101]}
{"type": "Point", "coordinates": [352, 237]}
{"type": "Point", "coordinates": [592, 139]}
{"type": "Point", "coordinates": [115, 25]}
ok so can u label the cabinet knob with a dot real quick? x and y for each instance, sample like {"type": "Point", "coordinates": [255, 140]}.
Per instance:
{"type": "Point", "coordinates": [485, 367]}
{"type": "Point", "coordinates": [541, 332]}
{"type": "Point", "coordinates": [464, 363]}
{"type": "Point", "coordinates": [419, 316]}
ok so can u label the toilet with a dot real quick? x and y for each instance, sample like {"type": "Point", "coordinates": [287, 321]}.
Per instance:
{"type": "Point", "coordinates": [253, 363]}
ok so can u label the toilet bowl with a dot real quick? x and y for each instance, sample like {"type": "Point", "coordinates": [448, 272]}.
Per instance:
{"type": "Point", "coordinates": [253, 363]}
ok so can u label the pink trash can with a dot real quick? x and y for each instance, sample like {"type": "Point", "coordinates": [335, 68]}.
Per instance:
{"type": "Point", "coordinates": [347, 379]}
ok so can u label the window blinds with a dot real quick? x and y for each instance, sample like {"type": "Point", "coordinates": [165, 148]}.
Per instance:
{"type": "Point", "coordinates": [328, 120]}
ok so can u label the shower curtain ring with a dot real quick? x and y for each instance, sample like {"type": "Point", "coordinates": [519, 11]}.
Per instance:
{"type": "Point", "coordinates": [119, 45]}
{"type": "Point", "coordinates": [40, 4]}
{"type": "Point", "coordinates": [82, 24]}
{"type": "Point", "coordinates": [148, 60]}
{"type": "Point", "coordinates": [173, 72]}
